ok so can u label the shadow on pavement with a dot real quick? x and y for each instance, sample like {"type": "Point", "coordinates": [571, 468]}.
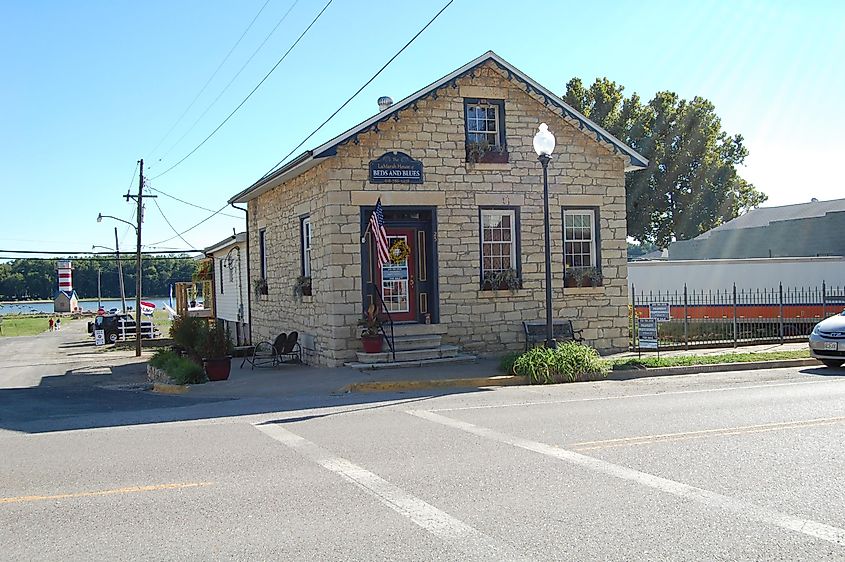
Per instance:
{"type": "Point", "coordinates": [98, 396]}
{"type": "Point", "coordinates": [824, 371]}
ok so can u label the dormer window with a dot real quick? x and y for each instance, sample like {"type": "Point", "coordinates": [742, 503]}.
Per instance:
{"type": "Point", "coordinates": [485, 130]}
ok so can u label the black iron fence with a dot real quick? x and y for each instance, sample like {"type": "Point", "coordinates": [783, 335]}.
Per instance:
{"type": "Point", "coordinates": [736, 316]}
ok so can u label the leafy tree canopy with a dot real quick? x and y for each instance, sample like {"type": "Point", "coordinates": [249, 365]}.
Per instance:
{"type": "Point", "coordinates": [691, 184]}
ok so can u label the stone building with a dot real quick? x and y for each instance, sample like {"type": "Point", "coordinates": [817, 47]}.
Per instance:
{"type": "Point", "coordinates": [462, 192]}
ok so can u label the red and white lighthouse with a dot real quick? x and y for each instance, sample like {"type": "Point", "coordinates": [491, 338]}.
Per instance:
{"type": "Point", "coordinates": [65, 270]}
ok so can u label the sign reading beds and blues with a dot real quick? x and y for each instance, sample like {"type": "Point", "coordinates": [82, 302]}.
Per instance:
{"type": "Point", "coordinates": [395, 167]}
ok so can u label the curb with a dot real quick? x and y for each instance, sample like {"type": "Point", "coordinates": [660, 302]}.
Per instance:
{"type": "Point", "coordinates": [514, 380]}
{"type": "Point", "coordinates": [713, 368]}
{"type": "Point", "coordinates": [164, 388]}
{"type": "Point", "coordinates": [475, 382]}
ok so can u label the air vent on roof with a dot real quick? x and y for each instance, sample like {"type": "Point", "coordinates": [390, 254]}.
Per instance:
{"type": "Point", "coordinates": [384, 102]}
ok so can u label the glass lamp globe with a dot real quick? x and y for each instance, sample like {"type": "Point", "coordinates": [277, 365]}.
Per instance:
{"type": "Point", "coordinates": [544, 141]}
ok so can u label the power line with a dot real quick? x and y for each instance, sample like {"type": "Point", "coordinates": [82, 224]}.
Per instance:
{"type": "Point", "coordinates": [105, 258]}
{"type": "Point", "coordinates": [367, 83]}
{"type": "Point", "coordinates": [170, 225]}
{"type": "Point", "coordinates": [295, 43]}
{"type": "Point", "coordinates": [235, 77]}
{"type": "Point", "coordinates": [192, 204]}
{"type": "Point", "coordinates": [187, 109]}
{"type": "Point", "coordinates": [89, 252]}
{"type": "Point", "coordinates": [193, 227]}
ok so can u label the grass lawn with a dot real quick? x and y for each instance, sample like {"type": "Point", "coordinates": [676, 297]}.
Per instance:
{"type": "Point", "coordinates": [683, 361]}
{"type": "Point", "coordinates": [162, 321]}
{"type": "Point", "coordinates": [14, 325]}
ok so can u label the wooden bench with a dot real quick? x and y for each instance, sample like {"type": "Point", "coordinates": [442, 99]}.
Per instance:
{"type": "Point", "coordinates": [562, 330]}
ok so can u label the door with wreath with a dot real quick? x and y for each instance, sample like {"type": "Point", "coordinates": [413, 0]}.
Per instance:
{"type": "Point", "coordinates": [397, 277]}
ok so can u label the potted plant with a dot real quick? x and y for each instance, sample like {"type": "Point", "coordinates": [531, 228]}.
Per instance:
{"type": "Point", "coordinates": [302, 286]}
{"type": "Point", "coordinates": [484, 152]}
{"type": "Point", "coordinates": [216, 352]}
{"type": "Point", "coordinates": [260, 287]}
{"type": "Point", "coordinates": [370, 324]}
{"type": "Point", "coordinates": [500, 281]}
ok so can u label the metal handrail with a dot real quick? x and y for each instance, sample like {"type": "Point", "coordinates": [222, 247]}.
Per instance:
{"type": "Point", "coordinates": [390, 339]}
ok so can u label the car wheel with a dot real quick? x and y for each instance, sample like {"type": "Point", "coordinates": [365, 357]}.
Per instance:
{"type": "Point", "coordinates": [113, 337]}
{"type": "Point", "coordinates": [831, 363]}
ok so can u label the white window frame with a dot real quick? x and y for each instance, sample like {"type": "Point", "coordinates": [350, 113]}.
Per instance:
{"type": "Point", "coordinates": [511, 213]}
{"type": "Point", "coordinates": [496, 123]}
{"type": "Point", "coordinates": [307, 234]}
{"type": "Point", "coordinates": [591, 213]}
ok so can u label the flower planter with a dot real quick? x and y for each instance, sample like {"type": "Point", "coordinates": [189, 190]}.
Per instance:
{"type": "Point", "coordinates": [218, 369]}
{"type": "Point", "coordinates": [372, 344]}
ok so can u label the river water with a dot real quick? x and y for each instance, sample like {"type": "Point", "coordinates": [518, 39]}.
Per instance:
{"type": "Point", "coordinates": [47, 307]}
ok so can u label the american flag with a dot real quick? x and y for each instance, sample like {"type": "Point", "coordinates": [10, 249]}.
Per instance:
{"type": "Point", "coordinates": [379, 235]}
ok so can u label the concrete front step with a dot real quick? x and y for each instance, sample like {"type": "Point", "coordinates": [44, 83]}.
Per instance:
{"type": "Point", "coordinates": [455, 359]}
{"type": "Point", "coordinates": [415, 329]}
{"type": "Point", "coordinates": [440, 352]}
{"type": "Point", "coordinates": [411, 343]}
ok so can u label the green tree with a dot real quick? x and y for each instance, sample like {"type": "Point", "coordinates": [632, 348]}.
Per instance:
{"type": "Point", "coordinates": [691, 183]}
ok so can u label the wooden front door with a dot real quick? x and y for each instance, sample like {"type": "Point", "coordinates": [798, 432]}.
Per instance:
{"type": "Point", "coordinates": [397, 280]}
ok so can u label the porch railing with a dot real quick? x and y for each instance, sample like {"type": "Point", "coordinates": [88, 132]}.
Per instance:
{"type": "Point", "coordinates": [382, 306]}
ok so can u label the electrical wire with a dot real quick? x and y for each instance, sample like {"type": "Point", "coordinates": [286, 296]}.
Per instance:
{"type": "Point", "coordinates": [207, 82]}
{"type": "Point", "coordinates": [87, 252]}
{"type": "Point", "coordinates": [147, 257]}
{"type": "Point", "coordinates": [275, 66]}
{"type": "Point", "coordinates": [218, 211]}
{"type": "Point", "coordinates": [367, 83]}
{"type": "Point", "coordinates": [226, 88]}
{"type": "Point", "coordinates": [191, 204]}
{"type": "Point", "coordinates": [168, 223]}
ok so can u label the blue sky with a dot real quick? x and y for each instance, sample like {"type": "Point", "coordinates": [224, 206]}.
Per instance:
{"type": "Point", "coordinates": [90, 87]}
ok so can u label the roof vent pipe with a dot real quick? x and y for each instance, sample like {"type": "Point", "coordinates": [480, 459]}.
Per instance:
{"type": "Point", "coordinates": [384, 102]}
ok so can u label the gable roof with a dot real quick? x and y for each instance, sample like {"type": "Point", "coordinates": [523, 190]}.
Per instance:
{"type": "Point", "coordinates": [311, 158]}
{"type": "Point", "coordinates": [764, 216]}
{"type": "Point", "coordinates": [238, 238]}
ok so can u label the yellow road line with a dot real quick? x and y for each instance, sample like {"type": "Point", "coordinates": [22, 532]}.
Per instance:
{"type": "Point", "coordinates": [127, 490]}
{"type": "Point", "coordinates": [682, 436]}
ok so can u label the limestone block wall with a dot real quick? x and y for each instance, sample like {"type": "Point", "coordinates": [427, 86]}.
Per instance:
{"type": "Point", "coordinates": [582, 173]}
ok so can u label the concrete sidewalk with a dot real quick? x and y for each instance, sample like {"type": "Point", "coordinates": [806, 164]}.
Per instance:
{"type": "Point", "coordinates": [288, 381]}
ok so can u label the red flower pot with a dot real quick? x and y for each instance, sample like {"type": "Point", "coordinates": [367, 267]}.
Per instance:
{"type": "Point", "coordinates": [372, 344]}
{"type": "Point", "coordinates": [218, 369]}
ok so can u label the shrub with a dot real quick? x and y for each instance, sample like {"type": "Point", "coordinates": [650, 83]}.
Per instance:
{"type": "Point", "coordinates": [189, 333]}
{"type": "Point", "coordinates": [568, 362]}
{"type": "Point", "coordinates": [163, 357]}
{"type": "Point", "coordinates": [185, 371]}
{"type": "Point", "coordinates": [506, 362]}
{"type": "Point", "coordinates": [180, 369]}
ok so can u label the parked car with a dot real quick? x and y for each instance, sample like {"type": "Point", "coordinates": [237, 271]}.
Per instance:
{"type": "Point", "coordinates": [110, 323]}
{"type": "Point", "coordinates": [827, 342]}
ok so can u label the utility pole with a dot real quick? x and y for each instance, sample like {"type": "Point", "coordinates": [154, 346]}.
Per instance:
{"type": "Point", "coordinates": [119, 272]}
{"type": "Point", "coordinates": [139, 199]}
{"type": "Point", "coordinates": [99, 293]}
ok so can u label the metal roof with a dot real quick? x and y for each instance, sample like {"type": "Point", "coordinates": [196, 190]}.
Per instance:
{"type": "Point", "coordinates": [763, 216]}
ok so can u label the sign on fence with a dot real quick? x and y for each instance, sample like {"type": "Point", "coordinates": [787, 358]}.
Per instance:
{"type": "Point", "coordinates": [647, 333]}
{"type": "Point", "coordinates": [99, 337]}
{"type": "Point", "coordinates": [659, 311]}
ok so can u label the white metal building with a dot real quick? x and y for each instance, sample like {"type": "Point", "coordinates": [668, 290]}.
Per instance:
{"type": "Point", "coordinates": [231, 286]}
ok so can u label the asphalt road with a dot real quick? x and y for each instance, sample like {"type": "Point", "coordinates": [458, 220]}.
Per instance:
{"type": "Point", "coordinates": [731, 466]}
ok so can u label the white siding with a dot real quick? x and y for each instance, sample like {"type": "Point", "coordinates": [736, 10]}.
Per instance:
{"type": "Point", "coordinates": [748, 274]}
{"type": "Point", "coordinates": [235, 291]}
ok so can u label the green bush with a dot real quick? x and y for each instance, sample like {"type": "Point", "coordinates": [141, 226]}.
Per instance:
{"type": "Point", "coordinates": [185, 371]}
{"type": "Point", "coordinates": [190, 334]}
{"type": "Point", "coordinates": [181, 370]}
{"type": "Point", "coordinates": [568, 362]}
{"type": "Point", "coordinates": [506, 362]}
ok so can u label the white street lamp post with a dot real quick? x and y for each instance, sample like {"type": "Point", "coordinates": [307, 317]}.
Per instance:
{"type": "Point", "coordinates": [544, 145]}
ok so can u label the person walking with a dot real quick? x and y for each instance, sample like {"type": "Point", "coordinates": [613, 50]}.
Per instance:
{"type": "Point", "coordinates": [51, 323]}
{"type": "Point", "coordinates": [58, 324]}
